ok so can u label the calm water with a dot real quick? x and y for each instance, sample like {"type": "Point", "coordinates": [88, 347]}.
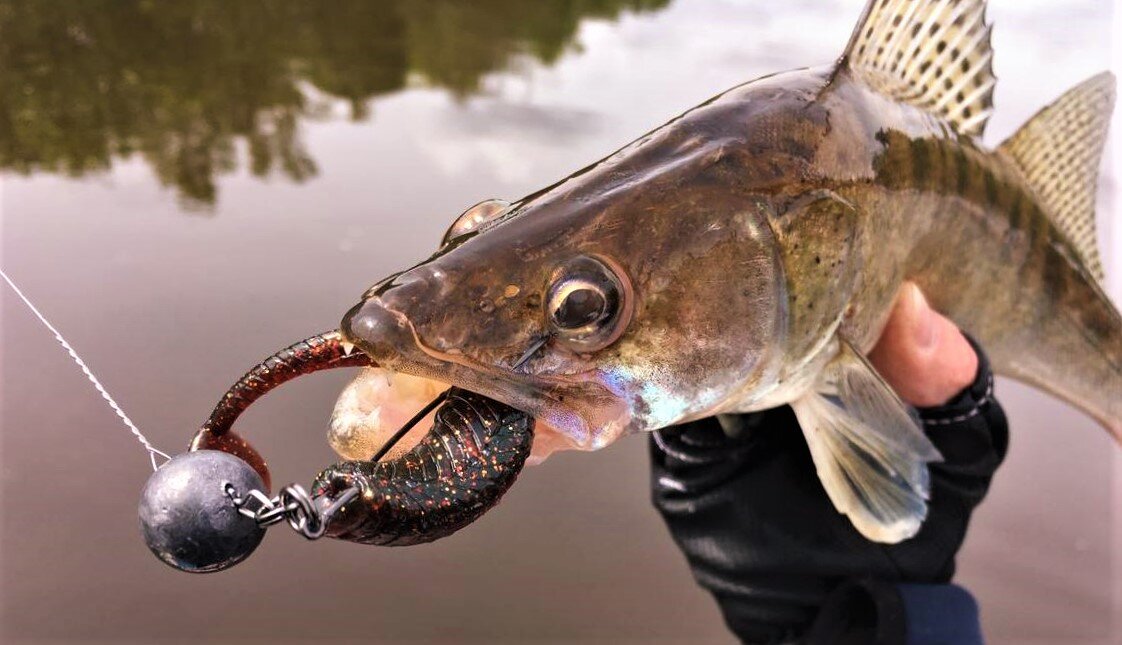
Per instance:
{"type": "Point", "coordinates": [189, 186]}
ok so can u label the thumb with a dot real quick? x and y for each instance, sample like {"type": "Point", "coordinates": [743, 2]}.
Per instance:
{"type": "Point", "coordinates": [921, 353]}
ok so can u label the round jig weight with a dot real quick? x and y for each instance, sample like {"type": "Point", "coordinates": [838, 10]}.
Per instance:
{"type": "Point", "coordinates": [187, 516]}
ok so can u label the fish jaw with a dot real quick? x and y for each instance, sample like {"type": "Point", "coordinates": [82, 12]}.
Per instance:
{"type": "Point", "coordinates": [578, 412]}
{"type": "Point", "coordinates": [377, 403]}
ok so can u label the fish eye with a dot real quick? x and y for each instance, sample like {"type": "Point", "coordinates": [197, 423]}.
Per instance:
{"type": "Point", "coordinates": [474, 218]}
{"type": "Point", "coordinates": [586, 304]}
{"type": "Point", "coordinates": [577, 303]}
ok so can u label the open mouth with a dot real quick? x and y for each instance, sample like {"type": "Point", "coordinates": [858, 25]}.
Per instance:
{"type": "Point", "coordinates": [470, 456]}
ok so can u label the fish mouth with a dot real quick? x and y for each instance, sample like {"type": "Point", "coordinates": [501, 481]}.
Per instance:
{"type": "Point", "coordinates": [462, 467]}
{"type": "Point", "coordinates": [573, 411]}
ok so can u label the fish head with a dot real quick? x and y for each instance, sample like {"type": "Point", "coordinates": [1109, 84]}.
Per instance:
{"type": "Point", "coordinates": [640, 293]}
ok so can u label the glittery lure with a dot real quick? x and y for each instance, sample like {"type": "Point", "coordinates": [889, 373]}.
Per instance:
{"type": "Point", "coordinates": [472, 455]}
{"type": "Point", "coordinates": [458, 471]}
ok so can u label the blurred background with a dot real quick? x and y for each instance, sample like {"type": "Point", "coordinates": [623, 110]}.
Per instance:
{"type": "Point", "coordinates": [188, 186]}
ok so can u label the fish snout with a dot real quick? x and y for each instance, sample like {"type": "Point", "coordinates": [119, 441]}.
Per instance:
{"type": "Point", "coordinates": [395, 311]}
{"type": "Point", "coordinates": [379, 331]}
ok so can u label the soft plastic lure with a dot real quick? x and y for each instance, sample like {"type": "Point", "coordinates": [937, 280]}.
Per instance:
{"type": "Point", "coordinates": [207, 509]}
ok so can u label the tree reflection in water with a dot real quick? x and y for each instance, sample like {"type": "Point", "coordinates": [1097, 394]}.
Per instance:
{"type": "Point", "coordinates": [180, 83]}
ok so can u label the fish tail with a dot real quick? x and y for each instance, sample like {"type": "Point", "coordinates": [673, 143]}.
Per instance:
{"type": "Point", "coordinates": [1082, 365]}
{"type": "Point", "coordinates": [1075, 350]}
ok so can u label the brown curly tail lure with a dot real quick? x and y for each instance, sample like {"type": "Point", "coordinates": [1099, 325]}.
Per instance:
{"type": "Point", "coordinates": [462, 467]}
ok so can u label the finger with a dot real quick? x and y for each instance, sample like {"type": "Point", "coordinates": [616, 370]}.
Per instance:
{"type": "Point", "coordinates": [922, 354]}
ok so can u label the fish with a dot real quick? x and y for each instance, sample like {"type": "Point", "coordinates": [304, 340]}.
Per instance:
{"type": "Point", "coordinates": [747, 254]}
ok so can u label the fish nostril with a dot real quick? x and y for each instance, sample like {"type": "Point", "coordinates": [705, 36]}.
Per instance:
{"type": "Point", "coordinates": [413, 281]}
{"type": "Point", "coordinates": [387, 283]}
{"type": "Point", "coordinates": [412, 292]}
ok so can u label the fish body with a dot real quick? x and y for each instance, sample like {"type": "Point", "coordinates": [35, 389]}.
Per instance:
{"type": "Point", "coordinates": [747, 254]}
{"type": "Point", "coordinates": [917, 201]}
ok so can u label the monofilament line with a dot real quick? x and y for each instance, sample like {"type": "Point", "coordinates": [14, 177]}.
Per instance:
{"type": "Point", "coordinates": [152, 450]}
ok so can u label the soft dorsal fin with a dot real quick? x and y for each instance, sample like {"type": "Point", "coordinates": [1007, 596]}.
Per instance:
{"type": "Point", "coordinates": [933, 54]}
{"type": "Point", "coordinates": [1058, 152]}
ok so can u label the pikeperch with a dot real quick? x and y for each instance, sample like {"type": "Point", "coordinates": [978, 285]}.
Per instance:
{"type": "Point", "coordinates": [746, 255]}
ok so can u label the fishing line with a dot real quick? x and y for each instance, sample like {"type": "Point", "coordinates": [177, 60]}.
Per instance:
{"type": "Point", "coordinates": [152, 450]}
{"type": "Point", "coordinates": [400, 434]}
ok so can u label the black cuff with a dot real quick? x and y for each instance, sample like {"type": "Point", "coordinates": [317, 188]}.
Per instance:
{"type": "Point", "coordinates": [860, 612]}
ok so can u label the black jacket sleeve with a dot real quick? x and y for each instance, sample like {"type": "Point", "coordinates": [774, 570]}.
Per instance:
{"type": "Point", "coordinates": [759, 532]}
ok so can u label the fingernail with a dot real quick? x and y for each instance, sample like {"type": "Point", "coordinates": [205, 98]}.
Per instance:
{"type": "Point", "coordinates": [924, 320]}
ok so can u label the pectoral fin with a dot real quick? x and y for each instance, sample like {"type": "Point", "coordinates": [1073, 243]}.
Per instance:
{"type": "Point", "coordinates": [868, 449]}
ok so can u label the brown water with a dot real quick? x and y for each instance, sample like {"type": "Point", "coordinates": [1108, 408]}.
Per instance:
{"type": "Point", "coordinates": [189, 186]}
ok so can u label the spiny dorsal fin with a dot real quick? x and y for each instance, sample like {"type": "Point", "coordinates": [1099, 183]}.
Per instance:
{"type": "Point", "coordinates": [933, 54]}
{"type": "Point", "coordinates": [1058, 151]}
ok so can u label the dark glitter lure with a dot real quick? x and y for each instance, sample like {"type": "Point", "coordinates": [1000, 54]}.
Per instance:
{"type": "Point", "coordinates": [461, 468]}
{"type": "Point", "coordinates": [458, 471]}
{"type": "Point", "coordinates": [470, 457]}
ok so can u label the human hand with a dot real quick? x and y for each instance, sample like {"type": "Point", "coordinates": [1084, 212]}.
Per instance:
{"type": "Point", "coordinates": [758, 530]}
{"type": "Point", "coordinates": [922, 354]}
